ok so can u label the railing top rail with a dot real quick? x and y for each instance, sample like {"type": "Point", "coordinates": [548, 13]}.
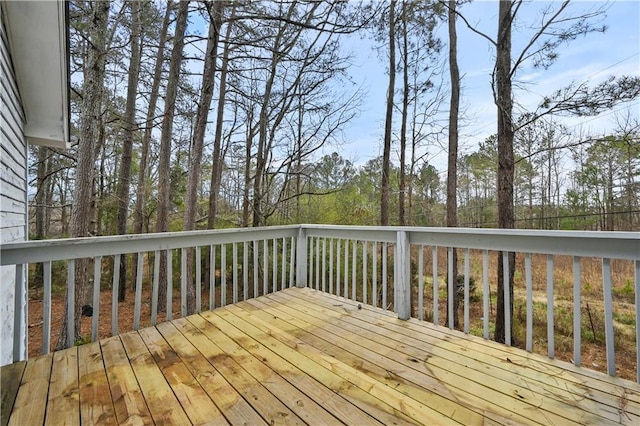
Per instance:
{"type": "Point", "coordinates": [617, 245]}
{"type": "Point", "coordinates": [75, 248]}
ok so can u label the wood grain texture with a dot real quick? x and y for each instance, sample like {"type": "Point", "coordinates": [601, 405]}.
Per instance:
{"type": "Point", "coordinates": [301, 356]}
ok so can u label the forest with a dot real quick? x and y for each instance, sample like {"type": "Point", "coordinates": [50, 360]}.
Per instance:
{"type": "Point", "coordinates": [205, 114]}
{"type": "Point", "coordinates": [193, 115]}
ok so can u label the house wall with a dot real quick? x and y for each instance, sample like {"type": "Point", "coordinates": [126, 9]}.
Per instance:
{"type": "Point", "coordinates": [13, 189]}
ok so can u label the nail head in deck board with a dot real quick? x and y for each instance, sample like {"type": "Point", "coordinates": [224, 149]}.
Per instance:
{"type": "Point", "coordinates": [128, 401]}
{"type": "Point", "coordinates": [303, 406]}
{"type": "Point", "coordinates": [10, 378]}
{"type": "Point", "coordinates": [63, 406]}
{"type": "Point", "coordinates": [269, 407]}
{"type": "Point", "coordinates": [194, 400]}
{"type": "Point", "coordinates": [509, 394]}
{"type": "Point", "coordinates": [162, 403]}
{"type": "Point", "coordinates": [96, 405]}
{"type": "Point", "coordinates": [226, 398]}
{"type": "Point", "coordinates": [31, 400]}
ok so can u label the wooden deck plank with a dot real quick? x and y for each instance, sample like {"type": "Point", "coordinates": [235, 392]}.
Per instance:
{"type": "Point", "coordinates": [558, 402]}
{"type": "Point", "coordinates": [412, 408]}
{"type": "Point", "coordinates": [516, 365]}
{"type": "Point", "coordinates": [464, 407]}
{"type": "Point", "coordinates": [269, 407]}
{"type": "Point", "coordinates": [162, 402]}
{"type": "Point", "coordinates": [340, 405]}
{"type": "Point", "coordinates": [96, 406]}
{"type": "Point", "coordinates": [63, 406]}
{"type": "Point", "coordinates": [10, 378]}
{"type": "Point", "coordinates": [128, 401]}
{"type": "Point", "coordinates": [304, 407]}
{"type": "Point", "coordinates": [357, 396]}
{"type": "Point", "coordinates": [194, 400]}
{"type": "Point", "coordinates": [31, 400]}
{"type": "Point", "coordinates": [233, 406]}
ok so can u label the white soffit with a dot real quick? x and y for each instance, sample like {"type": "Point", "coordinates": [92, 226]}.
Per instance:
{"type": "Point", "coordinates": [38, 42]}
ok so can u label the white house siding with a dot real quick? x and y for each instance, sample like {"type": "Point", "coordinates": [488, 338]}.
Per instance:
{"type": "Point", "coordinates": [13, 185]}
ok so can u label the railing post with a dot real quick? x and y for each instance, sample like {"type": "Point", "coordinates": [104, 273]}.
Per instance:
{"type": "Point", "coordinates": [20, 315]}
{"type": "Point", "coordinates": [402, 276]}
{"type": "Point", "coordinates": [301, 258]}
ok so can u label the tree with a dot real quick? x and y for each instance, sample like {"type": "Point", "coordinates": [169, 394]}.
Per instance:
{"type": "Point", "coordinates": [92, 89]}
{"type": "Point", "coordinates": [130, 126]}
{"type": "Point", "coordinates": [452, 159]}
{"type": "Point", "coordinates": [388, 122]}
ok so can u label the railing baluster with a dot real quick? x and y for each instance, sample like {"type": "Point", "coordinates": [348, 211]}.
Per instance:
{"type": "Point", "coordinates": [338, 275]}
{"type": "Point", "coordinates": [283, 274]}
{"type": "Point", "coordinates": [331, 266]}
{"type": "Point", "coordinates": [212, 276]}
{"type": "Point", "coordinates": [256, 265]}
{"type": "Point", "coordinates": [364, 271]}
{"type": "Point", "coordinates": [434, 267]}
{"type": "Point", "coordinates": [20, 320]}
{"type": "Point", "coordinates": [169, 285]}
{"type": "Point", "coordinates": [577, 308]}
{"type": "Point", "coordinates": [310, 260]}
{"type": "Point", "coordinates": [550, 320]}
{"type": "Point", "coordinates": [138, 299]}
{"type": "Point", "coordinates": [385, 252]}
{"type": "Point", "coordinates": [274, 266]}
{"type": "Point", "coordinates": [421, 283]}
{"type": "Point", "coordinates": [114, 298]}
{"type": "Point", "coordinates": [154, 287]}
{"type": "Point", "coordinates": [265, 266]}
{"type": "Point", "coordinates": [486, 293]}
{"type": "Point", "coordinates": [234, 251]}
{"type": "Point", "coordinates": [97, 271]}
{"type": "Point", "coordinates": [46, 308]}
{"type": "Point", "coordinates": [354, 264]}
{"type": "Point", "coordinates": [450, 286]}
{"type": "Point", "coordinates": [374, 274]}
{"type": "Point", "coordinates": [223, 275]}
{"type": "Point", "coordinates": [346, 269]}
{"type": "Point", "coordinates": [183, 282]}
{"type": "Point", "coordinates": [466, 291]}
{"type": "Point", "coordinates": [198, 279]}
{"type": "Point", "coordinates": [608, 316]}
{"type": "Point", "coordinates": [292, 261]}
{"type": "Point", "coordinates": [71, 295]}
{"type": "Point", "coordinates": [637, 289]}
{"type": "Point", "coordinates": [529, 286]}
{"type": "Point", "coordinates": [317, 263]}
{"type": "Point", "coordinates": [507, 299]}
{"type": "Point", "coordinates": [324, 265]}
{"type": "Point", "coordinates": [245, 270]}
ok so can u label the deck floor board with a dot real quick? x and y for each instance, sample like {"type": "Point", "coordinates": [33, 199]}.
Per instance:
{"type": "Point", "coordinates": [300, 356]}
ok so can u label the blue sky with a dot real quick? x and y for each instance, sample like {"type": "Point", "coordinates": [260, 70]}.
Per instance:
{"type": "Point", "coordinates": [591, 58]}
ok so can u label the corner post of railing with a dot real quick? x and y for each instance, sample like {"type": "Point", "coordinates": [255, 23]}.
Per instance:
{"type": "Point", "coordinates": [20, 315]}
{"type": "Point", "coordinates": [402, 276]}
{"type": "Point", "coordinates": [301, 258]}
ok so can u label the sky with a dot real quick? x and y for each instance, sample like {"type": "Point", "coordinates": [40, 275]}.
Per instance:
{"type": "Point", "coordinates": [591, 58]}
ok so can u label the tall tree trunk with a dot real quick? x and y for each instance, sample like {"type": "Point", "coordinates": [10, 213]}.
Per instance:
{"type": "Point", "coordinates": [218, 161]}
{"type": "Point", "coordinates": [195, 157]}
{"type": "Point", "coordinates": [141, 190]}
{"type": "Point", "coordinates": [90, 117]}
{"type": "Point", "coordinates": [452, 166]}
{"type": "Point", "coordinates": [41, 204]}
{"type": "Point", "coordinates": [386, 156]}
{"type": "Point", "coordinates": [405, 113]}
{"type": "Point", "coordinates": [127, 138]}
{"type": "Point", "coordinates": [504, 102]}
{"type": "Point", "coordinates": [164, 168]}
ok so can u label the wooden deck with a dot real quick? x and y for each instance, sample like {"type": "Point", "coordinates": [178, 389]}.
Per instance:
{"type": "Point", "coordinates": [305, 357]}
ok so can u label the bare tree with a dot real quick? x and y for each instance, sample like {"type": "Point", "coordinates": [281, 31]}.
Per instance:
{"type": "Point", "coordinates": [90, 117]}
{"type": "Point", "coordinates": [388, 123]}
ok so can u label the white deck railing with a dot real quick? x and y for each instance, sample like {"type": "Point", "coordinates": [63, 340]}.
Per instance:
{"type": "Point", "coordinates": [383, 266]}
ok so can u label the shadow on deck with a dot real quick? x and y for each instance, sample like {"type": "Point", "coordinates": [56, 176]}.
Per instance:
{"type": "Point", "coordinates": [301, 356]}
